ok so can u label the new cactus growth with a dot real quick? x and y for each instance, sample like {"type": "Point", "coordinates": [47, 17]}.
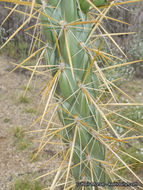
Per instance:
{"type": "Point", "coordinates": [67, 34]}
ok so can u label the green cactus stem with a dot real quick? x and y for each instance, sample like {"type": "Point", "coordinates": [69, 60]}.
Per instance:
{"type": "Point", "coordinates": [76, 80]}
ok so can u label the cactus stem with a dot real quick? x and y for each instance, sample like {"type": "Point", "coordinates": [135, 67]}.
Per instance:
{"type": "Point", "coordinates": [63, 24]}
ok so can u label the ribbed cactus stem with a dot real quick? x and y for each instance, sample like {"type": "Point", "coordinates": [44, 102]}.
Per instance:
{"type": "Point", "coordinates": [75, 82]}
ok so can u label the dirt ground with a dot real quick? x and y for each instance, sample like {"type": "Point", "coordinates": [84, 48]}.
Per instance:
{"type": "Point", "coordinates": [17, 114]}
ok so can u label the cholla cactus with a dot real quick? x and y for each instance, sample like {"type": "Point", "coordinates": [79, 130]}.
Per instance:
{"type": "Point", "coordinates": [68, 34]}
{"type": "Point", "coordinates": [79, 85]}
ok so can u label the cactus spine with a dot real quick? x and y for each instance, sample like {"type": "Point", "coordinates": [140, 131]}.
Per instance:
{"type": "Point", "coordinates": [76, 84]}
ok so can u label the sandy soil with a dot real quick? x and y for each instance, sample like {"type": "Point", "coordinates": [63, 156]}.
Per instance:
{"type": "Point", "coordinates": [14, 114]}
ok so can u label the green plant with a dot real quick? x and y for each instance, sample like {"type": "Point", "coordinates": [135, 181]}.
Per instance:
{"type": "Point", "coordinates": [84, 98]}
{"type": "Point", "coordinates": [20, 139]}
{"type": "Point", "coordinates": [18, 132]}
{"type": "Point", "coordinates": [23, 99]}
{"type": "Point", "coordinates": [6, 120]}
{"type": "Point", "coordinates": [30, 110]}
{"type": "Point", "coordinates": [24, 87]}
{"type": "Point", "coordinates": [21, 47]}
{"type": "Point", "coordinates": [26, 184]}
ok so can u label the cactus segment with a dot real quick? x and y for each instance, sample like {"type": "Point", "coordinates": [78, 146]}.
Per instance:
{"type": "Point", "coordinates": [85, 5]}
{"type": "Point", "coordinates": [99, 3]}
{"type": "Point", "coordinates": [48, 33]}
{"type": "Point", "coordinates": [83, 105]}
{"type": "Point", "coordinates": [76, 109]}
{"type": "Point", "coordinates": [67, 85]}
{"type": "Point", "coordinates": [69, 10]}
